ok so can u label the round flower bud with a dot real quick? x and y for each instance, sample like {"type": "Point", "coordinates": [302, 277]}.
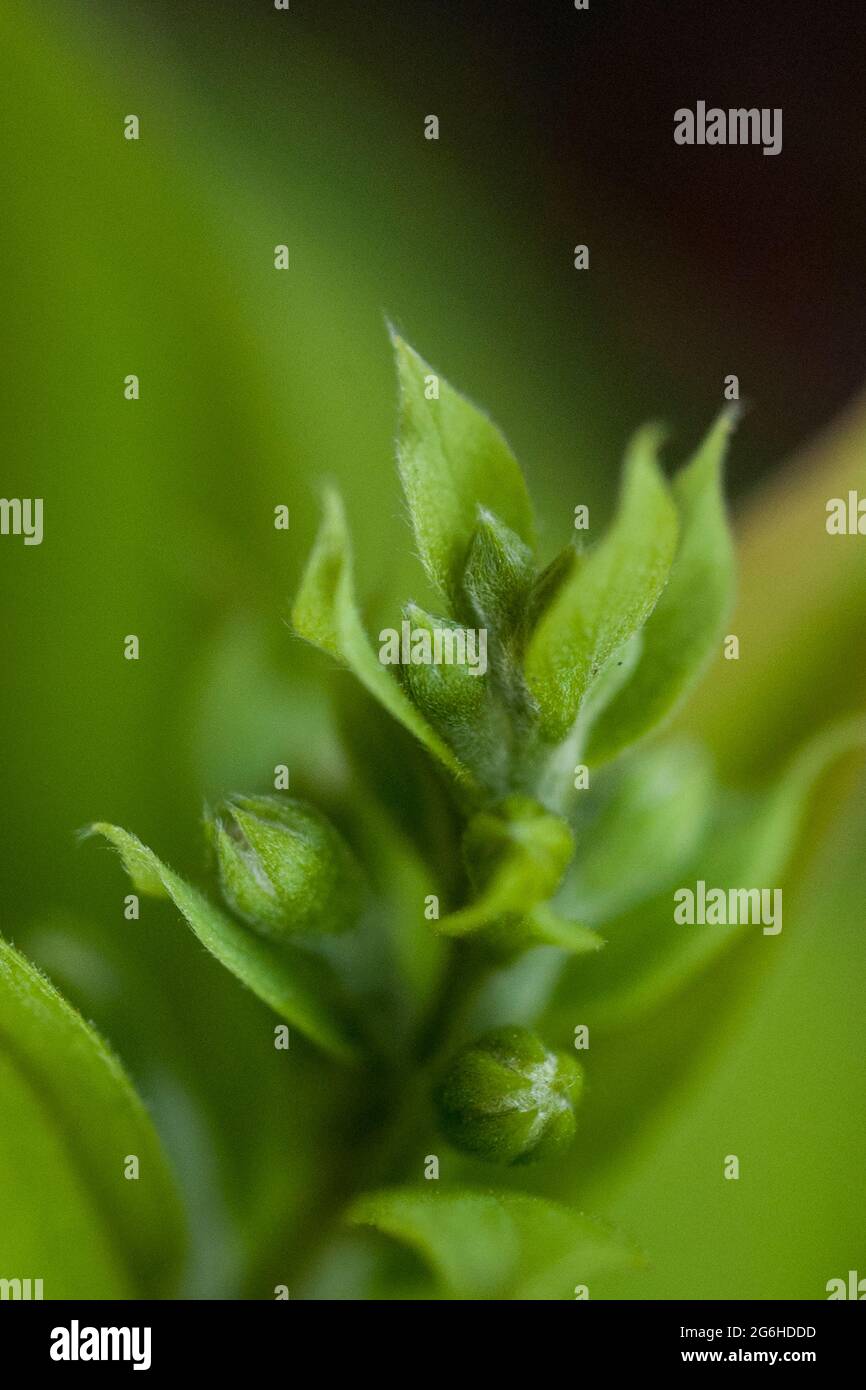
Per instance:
{"type": "Point", "coordinates": [283, 867]}
{"type": "Point", "coordinates": [508, 1099]}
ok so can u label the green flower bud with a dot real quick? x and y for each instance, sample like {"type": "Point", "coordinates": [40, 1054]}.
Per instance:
{"type": "Point", "coordinates": [446, 691]}
{"type": "Point", "coordinates": [498, 577]}
{"type": "Point", "coordinates": [457, 700]}
{"type": "Point", "coordinates": [507, 1099]}
{"type": "Point", "coordinates": [518, 841]}
{"type": "Point", "coordinates": [283, 867]}
{"type": "Point", "coordinates": [497, 582]}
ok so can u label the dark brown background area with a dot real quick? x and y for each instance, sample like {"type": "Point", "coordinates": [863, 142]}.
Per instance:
{"type": "Point", "coordinates": [704, 261]}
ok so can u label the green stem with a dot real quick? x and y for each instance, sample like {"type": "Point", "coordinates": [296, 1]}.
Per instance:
{"type": "Point", "coordinates": [465, 973]}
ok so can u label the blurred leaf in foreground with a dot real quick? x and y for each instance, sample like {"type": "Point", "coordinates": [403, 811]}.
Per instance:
{"type": "Point", "coordinates": [71, 1124]}
{"type": "Point", "coordinates": [506, 1245]}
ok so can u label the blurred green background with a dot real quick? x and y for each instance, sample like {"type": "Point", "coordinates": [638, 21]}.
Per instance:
{"type": "Point", "coordinates": [156, 258]}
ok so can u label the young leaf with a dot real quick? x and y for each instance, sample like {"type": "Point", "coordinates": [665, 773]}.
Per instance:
{"type": "Point", "coordinates": [325, 613]}
{"type": "Point", "coordinates": [606, 595]}
{"type": "Point", "coordinates": [294, 983]}
{"type": "Point", "coordinates": [689, 618]}
{"type": "Point", "coordinates": [507, 1245]}
{"type": "Point", "coordinates": [452, 461]}
{"type": "Point", "coordinates": [71, 1119]}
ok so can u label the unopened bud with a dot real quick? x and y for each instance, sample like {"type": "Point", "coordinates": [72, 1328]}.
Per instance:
{"type": "Point", "coordinates": [283, 867]}
{"type": "Point", "coordinates": [508, 1099]}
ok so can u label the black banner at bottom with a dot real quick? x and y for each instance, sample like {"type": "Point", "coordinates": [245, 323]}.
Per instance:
{"type": "Point", "coordinates": [66, 1338]}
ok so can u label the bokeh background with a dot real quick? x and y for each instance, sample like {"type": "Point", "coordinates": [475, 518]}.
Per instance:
{"type": "Point", "coordinates": [261, 127]}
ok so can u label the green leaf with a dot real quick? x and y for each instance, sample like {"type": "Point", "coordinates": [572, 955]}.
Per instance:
{"type": "Point", "coordinates": [296, 984]}
{"type": "Point", "coordinates": [325, 613]}
{"type": "Point", "coordinates": [549, 928]}
{"type": "Point", "coordinates": [452, 461]}
{"type": "Point", "coordinates": [636, 828]}
{"type": "Point", "coordinates": [401, 877]}
{"type": "Point", "coordinates": [748, 844]}
{"type": "Point", "coordinates": [688, 621]}
{"type": "Point", "coordinates": [70, 1120]}
{"type": "Point", "coordinates": [507, 1245]}
{"type": "Point", "coordinates": [612, 676]}
{"type": "Point", "coordinates": [606, 594]}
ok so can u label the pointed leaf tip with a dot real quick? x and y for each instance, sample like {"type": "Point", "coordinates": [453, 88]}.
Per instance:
{"type": "Point", "coordinates": [605, 595]}
{"type": "Point", "coordinates": [452, 460]}
{"type": "Point", "coordinates": [689, 618]}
